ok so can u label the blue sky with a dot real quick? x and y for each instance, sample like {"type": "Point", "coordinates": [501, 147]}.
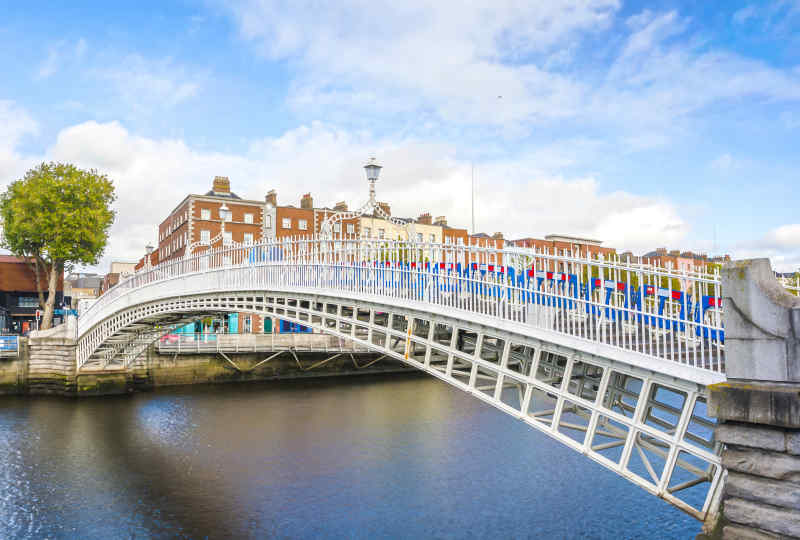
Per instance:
{"type": "Point", "coordinates": [651, 124]}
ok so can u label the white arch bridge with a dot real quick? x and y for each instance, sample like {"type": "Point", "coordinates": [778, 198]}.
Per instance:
{"type": "Point", "coordinates": [611, 358]}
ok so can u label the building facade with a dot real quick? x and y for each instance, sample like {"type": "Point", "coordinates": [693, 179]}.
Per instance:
{"type": "Point", "coordinates": [560, 244]}
{"type": "Point", "coordinates": [19, 299]}
{"type": "Point", "coordinates": [196, 223]}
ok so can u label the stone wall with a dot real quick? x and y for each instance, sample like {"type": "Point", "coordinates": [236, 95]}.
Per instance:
{"type": "Point", "coordinates": [13, 371]}
{"type": "Point", "coordinates": [758, 408]}
{"type": "Point", "coordinates": [761, 495]}
{"type": "Point", "coordinates": [46, 365]}
{"type": "Point", "coordinates": [51, 365]}
{"type": "Point", "coordinates": [168, 370]}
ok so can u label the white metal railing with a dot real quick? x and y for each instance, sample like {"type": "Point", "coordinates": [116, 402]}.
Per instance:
{"type": "Point", "coordinates": [243, 343]}
{"type": "Point", "coordinates": [658, 312]}
{"type": "Point", "coordinates": [9, 346]}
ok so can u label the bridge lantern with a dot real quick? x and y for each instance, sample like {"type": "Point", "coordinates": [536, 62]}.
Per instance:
{"type": "Point", "coordinates": [224, 212]}
{"type": "Point", "coordinates": [372, 169]}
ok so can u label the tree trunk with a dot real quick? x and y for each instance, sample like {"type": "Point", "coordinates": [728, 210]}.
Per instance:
{"type": "Point", "coordinates": [52, 282]}
{"type": "Point", "coordinates": [37, 274]}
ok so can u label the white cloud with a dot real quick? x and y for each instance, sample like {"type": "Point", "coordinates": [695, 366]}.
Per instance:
{"type": "Point", "coordinates": [741, 16]}
{"type": "Point", "coordinates": [456, 56]}
{"type": "Point", "coordinates": [785, 236]}
{"type": "Point", "coordinates": [515, 197]}
{"type": "Point", "coordinates": [15, 123]}
{"type": "Point", "coordinates": [451, 61]}
{"type": "Point", "coordinates": [724, 163]}
{"type": "Point", "coordinates": [59, 54]}
{"type": "Point", "coordinates": [781, 245]}
{"type": "Point", "coordinates": [146, 85]}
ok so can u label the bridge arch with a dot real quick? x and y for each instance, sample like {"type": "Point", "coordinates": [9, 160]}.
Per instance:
{"type": "Point", "coordinates": [647, 426]}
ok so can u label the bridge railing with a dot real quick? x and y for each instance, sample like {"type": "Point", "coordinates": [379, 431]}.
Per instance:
{"type": "Point", "coordinates": [657, 312]}
{"type": "Point", "coordinates": [206, 342]}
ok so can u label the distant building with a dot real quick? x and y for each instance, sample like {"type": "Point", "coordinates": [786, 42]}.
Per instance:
{"type": "Point", "coordinates": [19, 298]}
{"type": "Point", "coordinates": [560, 244]}
{"type": "Point", "coordinates": [82, 285]}
{"type": "Point", "coordinates": [682, 261]}
{"type": "Point", "coordinates": [196, 221]}
{"type": "Point", "coordinates": [119, 270]}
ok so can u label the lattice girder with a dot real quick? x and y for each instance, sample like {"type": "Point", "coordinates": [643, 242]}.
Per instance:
{"type": "Point", "coordinates": [649, 427]}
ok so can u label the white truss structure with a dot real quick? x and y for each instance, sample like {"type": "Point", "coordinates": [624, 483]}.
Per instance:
{"type": "Point", "coordinates": [546, 338]}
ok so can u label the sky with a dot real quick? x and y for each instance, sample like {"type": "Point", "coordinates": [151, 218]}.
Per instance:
{"type": "Point", "coordinates": [643, 124]}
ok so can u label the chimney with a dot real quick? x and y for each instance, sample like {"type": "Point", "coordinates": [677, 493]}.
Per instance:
{"type": "Point", "coordinates": [661, 251]}
{"type": "Point", "coordinates": [307, 202]}
{"type": "Point", "coordinates": [497, 236]}
{"type": "Point", "coordinates": [441, 221]}
{"type": "Point", "coordinates": [221, 185]}
{"type": "Point", "coordinates": [385, 207]}
{"type": "Point", "coordinates": [424, 219]}
{"type": "Point", "coordinates": [340, 206]}
{"type": "Point", "coordinates": [272, 197]}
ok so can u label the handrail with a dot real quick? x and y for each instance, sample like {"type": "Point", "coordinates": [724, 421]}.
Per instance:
{"type": "Point", "coordinates": [658, 312]}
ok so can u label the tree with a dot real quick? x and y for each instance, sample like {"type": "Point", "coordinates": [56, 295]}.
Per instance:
{"type": "Point", "coordinates": [55, 217]}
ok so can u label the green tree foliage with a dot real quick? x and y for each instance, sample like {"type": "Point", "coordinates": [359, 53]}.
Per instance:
{"type": "Point", "coordinates": [55, 217]}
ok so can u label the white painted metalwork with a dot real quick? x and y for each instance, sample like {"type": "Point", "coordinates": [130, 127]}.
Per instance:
{"type": "Point", "coordinates": [623, 309]}
{"type": "Point", "coordinates": [371, 207]}
{"type": "Point", "coordinates": [610, 358]}
{"type": "Point", "coordinates": [197, 343]}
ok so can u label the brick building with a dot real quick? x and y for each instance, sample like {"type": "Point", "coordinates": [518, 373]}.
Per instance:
{"type": "Point", "coordinates": [683, 261]}
{"type": "Point", "coordinates": [119, 270]}
{"type": "Point", "coordinates": [18, 297]}
{"type": "Point", "coordinates": [560, 244]}
{"type": "Point", "coordinates": [196, 221]}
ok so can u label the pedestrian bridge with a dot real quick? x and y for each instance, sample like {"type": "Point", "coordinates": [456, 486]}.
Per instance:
{"type": "Point", "coordinates": [611, 358]}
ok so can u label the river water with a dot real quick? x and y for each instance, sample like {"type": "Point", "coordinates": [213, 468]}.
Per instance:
{"type": "Point", "coordinates": [365, 457]}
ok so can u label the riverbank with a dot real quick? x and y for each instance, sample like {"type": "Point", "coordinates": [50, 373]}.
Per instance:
{"type": "Point", "coordinates": [155, 370]}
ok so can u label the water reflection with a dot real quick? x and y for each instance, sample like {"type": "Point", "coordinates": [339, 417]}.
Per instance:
{"type": "Point", "coordinates": [367, 457]}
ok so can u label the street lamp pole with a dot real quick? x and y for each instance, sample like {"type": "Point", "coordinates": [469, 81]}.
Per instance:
{"type": "Point", "coordinates": [224, 215]}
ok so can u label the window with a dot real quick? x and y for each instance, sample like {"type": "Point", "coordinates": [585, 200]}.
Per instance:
{"type": "Point", "coordinates": [28, 302]}
{"type": "Point", "coordinates": [205, 236]}
{"type": "Point", "coordinates": [381, 233]}
{"type": "Point", "coordinates": [337, 227]}
{"type": "Point", "coordinates": [227, 237]}
{"type": "Point", "coordinates": [433, 238]}
{"type": "Point", "coordinates": [205, 213]}
{"type": "Point", "coordinates": [286, 223]}
{"type": "Point", "coordinates": [302, 224]}
{"type": "Point", "coordinates": [268, 222]}
{"type": "Point", "coordinates": [230, 216]}
{"type": "Point", "coordinates": [351, 229]}
{"type": "Point", "coordinates": [419, 237]}
{"type": "Point", "coordinates": [248, 238]}
{"type": "Point", "coordinates": [367, 231]}
{"type": "Point", "coordinates": [248, 218]}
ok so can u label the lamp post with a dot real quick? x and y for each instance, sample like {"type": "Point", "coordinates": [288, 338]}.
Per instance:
{"type": "Point", "coordinates": [370, 208]}
{"type": "Point", "coordinates": [373, 170]}
{"type": "Point", "coordinates": [224, 215]}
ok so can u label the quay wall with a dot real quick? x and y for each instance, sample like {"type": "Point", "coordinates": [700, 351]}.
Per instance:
{"type": "Point", "coordinates": [46, 365]}
{"type": "Point", "coordinates": [758, 407]}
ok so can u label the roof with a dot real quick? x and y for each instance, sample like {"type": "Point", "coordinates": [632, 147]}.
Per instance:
{"type": "Point", "coordinates": [11, 259]}
{"type": "Point", "coordinates": [229, 195]}
{"type": "Point", "coordinates": [568, 238]}
{"type": "Point", "coordinates": [87, 283]}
